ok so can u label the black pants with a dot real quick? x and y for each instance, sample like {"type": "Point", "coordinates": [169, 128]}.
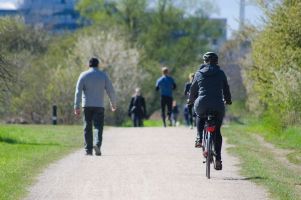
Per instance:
{"type": "Point", "coordinates": [137, 120]}
{"type": "Point", "coordinates": [191, 116]}
{"type": "Point", "coordinates": [217, 139]}
{"type": "Point", "coordinates": [93, 116]}
{"type": "Point", "coordinates": [166, 101]}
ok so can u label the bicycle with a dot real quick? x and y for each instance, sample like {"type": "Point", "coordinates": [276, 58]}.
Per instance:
{"type": "Point", "coordinates": [208, 144]}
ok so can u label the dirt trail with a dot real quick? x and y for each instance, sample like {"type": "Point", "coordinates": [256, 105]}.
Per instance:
{"type": "Point", "coordinates": [280, 154]}
{"type": "Point", "coordinates": [144, 164]}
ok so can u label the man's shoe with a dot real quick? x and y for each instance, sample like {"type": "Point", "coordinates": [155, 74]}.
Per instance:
{"type": "Point", "coordinates": [97, 150]}
{"type": "Point", "coordinates": [218, 165]}
{"type": "Point", "coordinates": [88, 153]}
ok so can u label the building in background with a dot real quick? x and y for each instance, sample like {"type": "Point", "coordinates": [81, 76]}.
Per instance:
{"type": "Point", "coordinates": [54, 15]}
{"type": "Point", "coordinates": [8, 12]}
{"type": "Point", "coordinates": [218, 39]}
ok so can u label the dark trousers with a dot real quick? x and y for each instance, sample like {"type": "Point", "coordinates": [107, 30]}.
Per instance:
{"type": "Point", "coordinates": [166, 102]}
{"type": "Point", "coordinates": [93, 116]}
{"type": "Point", "coordinates": [217, 136]}
{"type": "Point", "coordinates": [191, 116]}
{"type": "Point", "coordinates": [137, 120]}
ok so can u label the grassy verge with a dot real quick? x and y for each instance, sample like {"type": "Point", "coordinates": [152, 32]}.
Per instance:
{"type": "Point", "coordinates": [289, 138]}
{"type": "Point", "coordinates": [261, 166]}
{"type": "Point", "coordinates": [146, 123]}
{"type": "Point", "coordinates": [269, 127]}
{"type": "Point", "coordinates": [25, 150]}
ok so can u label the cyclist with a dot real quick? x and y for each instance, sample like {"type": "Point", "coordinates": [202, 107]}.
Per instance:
{"type": "Point", "coordinates": [186, 94]}
{"type": "Point", "coordinates": [89, 92]}
{"type": "Point", "coordinates": [209, 92]}
{"type": "Point", "coordinates": [166, 84]}
{"type": "Point", "coordinates": [137, 108]}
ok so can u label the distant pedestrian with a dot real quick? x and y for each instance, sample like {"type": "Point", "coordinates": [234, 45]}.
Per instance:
{"type": "Point", "coordinates": [137, 108]}
{"type": "Point", "coordinates": [166, 84]}
{"type": "Point", "coordinates": [191, 113]}
{"type": "Point", "coordinates": [174, 113]}
{"type": "Point", "coordinates": [90, 89]}
{"type": "Point", "coordinates": [186, 115]}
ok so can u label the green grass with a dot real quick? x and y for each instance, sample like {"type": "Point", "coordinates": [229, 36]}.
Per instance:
{"type": "Point", "coordinates": [147, 123]}
{"type": "Point", "coordinates": [153, 123]}
{"type": "Point", "coordinates": [26, 150]}
{"type": "Point", "coordinates": [286, 138]}
{"type": "Point", "coordinates": [261, 166]}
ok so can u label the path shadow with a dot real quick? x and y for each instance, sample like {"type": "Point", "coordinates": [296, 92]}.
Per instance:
{"type": "Point", "coordinates": [14, 141]}
{"type": "Point", "coordinates": [245, 179]}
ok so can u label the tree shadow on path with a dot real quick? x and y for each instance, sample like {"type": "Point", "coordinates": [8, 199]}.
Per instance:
{"type": "Point", "coordinates": [245, 178]}
{"type": "Point", "coordinates": [14, 141]}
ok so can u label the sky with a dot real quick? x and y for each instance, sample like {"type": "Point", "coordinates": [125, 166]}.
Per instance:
{"type": "Point", "coordinates": [226, 9]}
{"type": "Point", "coordinates": [230, 9]}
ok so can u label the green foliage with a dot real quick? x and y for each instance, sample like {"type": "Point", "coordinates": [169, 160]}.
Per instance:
{"type": "Point", "coordinates": [99, 11]}
{"type": "Point", "coordinates": [276, 73]}
{"type": "Point", "coordinates": [16, 37]}
{"type": "Point", "coordinates": [25, 150]}
{"type": "Point", "coordinates": [131, 40]}
{"type": "Point", "coordinates": [20, 47]}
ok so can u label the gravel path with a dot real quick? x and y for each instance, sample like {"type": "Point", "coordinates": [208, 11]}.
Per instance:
{"type": "Point", "coordinates": [143, 164]}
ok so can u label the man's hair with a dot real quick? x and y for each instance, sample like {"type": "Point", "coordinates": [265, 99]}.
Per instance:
{"type": "Point", "coordinates": [93, 62]}
{"type": "Point", "coordinates": [165, 70]}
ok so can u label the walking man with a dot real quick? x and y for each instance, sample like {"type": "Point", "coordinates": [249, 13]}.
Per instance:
{"type": "Point", "coordinates": [89, 91]}
{"type": "Point", "coordinates": [166, 84]}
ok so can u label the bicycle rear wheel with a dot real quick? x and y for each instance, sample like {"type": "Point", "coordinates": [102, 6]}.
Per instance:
{"type": "Point", "coordinates": [209, 155]}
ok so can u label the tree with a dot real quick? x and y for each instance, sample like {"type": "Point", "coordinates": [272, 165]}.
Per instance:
{"type": "Point", "coordinates": [6, 78]}
{"type": "Point", "coordinates": [164, 35]}
{"type": "Point", "coordinates": [276, 72]}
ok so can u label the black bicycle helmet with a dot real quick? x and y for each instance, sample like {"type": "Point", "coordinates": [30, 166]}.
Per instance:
{"type": "Point", "coordinates": [210, 57]}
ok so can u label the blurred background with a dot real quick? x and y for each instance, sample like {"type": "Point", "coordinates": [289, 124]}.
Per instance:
{"type": "Point", "coordinates": [45, 44]}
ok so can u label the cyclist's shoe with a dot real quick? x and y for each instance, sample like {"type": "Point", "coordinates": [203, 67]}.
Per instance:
{"type": "Point", "coordinates": [97, 150]}
{"type": "Point", "coordinates": [218, 165]}
{"type": "Point", "coordinates": [205, 154]}
{"type": "Point", "coordinates": [198, 144]}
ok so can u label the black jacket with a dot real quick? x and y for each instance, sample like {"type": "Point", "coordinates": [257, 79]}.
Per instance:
{"type": "Point", "coordinates": [187, 89]}
{"type": "Point", "coordinates": [137, 106]}
{"type": "Point", "coordinates": [209, 89]}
